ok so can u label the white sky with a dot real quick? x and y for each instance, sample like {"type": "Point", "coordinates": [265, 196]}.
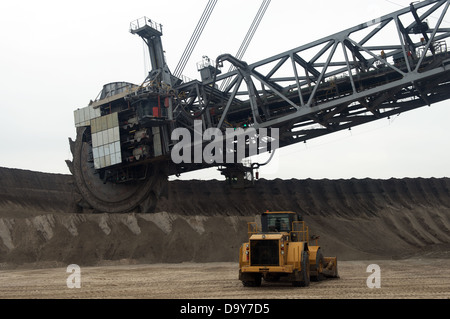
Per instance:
{"type": "Point", "coordinates": [56, 56]}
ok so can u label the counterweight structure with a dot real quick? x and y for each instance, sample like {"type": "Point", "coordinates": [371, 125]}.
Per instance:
{"type": "Point", "coordinates": [122, 153]}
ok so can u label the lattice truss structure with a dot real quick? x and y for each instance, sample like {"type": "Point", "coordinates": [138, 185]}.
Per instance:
{"type": "Point", "coordinates": [377, 69]}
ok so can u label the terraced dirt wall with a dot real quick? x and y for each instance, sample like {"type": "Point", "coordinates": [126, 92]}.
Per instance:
{"type": "Point", "coordinates": [205, 221]}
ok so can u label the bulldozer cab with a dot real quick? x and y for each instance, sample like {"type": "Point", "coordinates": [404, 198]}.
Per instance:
{"type": "Point", "coordinates": [275, 222]}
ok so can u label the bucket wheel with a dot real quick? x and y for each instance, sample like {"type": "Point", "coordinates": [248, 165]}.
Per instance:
{"type": "Point", "coordinates": [100, 197]}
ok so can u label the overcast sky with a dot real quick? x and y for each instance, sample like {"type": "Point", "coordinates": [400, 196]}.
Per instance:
{"type": "Point", "coordinates": [57, 55]}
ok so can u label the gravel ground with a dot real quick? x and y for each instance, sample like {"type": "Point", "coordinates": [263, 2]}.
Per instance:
{"type": "Point", "coordinates": [399, 279]}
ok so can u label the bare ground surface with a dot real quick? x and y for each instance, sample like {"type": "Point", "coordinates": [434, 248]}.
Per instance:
{"type": "Point", "coordinates": [414, 278]}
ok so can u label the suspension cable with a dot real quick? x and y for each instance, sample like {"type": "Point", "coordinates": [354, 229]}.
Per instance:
{"type": "Point", "coordinates": [195, 37]}
{"type": "Point", "coordinates": [248, 37]}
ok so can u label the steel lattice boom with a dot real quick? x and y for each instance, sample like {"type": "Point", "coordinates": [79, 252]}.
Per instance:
{"type": "Point", "coordinates": [337, 82]}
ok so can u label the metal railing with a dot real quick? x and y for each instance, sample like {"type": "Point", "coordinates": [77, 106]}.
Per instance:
{"type": "Point", "coordinates": [299, 232]}
{"type": "Point", "coordinates": [252, 228]}
{"type": "Point", "coordinates": [144, 21]}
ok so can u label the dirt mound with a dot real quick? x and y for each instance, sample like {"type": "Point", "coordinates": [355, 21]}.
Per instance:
{"type": "Point", "coordinates": [26, 193]}
{"type": "Point", "coordinates": [206, 221]}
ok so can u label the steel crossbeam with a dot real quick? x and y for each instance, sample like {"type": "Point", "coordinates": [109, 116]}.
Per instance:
{"type": "Point", "coordinates": [352, 77]}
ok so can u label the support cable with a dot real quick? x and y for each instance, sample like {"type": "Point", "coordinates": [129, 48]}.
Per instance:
{"type": "Point", "coordinates": [248, 38]}
{"type": "Point", "coordinates": [195, 37]}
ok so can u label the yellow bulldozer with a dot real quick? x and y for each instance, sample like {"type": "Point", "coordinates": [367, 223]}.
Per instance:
{"type": "Point", "coordinates": [284, 250]}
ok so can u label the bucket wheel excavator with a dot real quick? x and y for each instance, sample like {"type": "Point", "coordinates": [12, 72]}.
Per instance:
{"type": "Point", "coordinates": [126, 137]}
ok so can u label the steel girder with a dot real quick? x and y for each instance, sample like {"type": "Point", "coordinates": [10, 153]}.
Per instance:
{"type": "Point", "coordinates": [352, 77]}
